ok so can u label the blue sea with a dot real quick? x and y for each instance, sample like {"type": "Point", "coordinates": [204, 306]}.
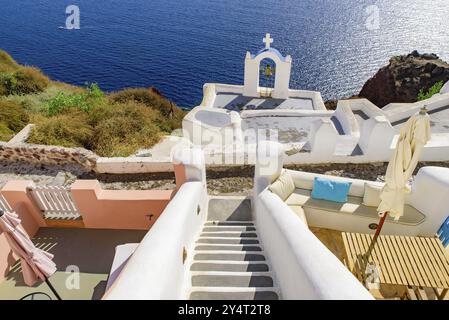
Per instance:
{"type": "Point", "coordinates": [178, 45]}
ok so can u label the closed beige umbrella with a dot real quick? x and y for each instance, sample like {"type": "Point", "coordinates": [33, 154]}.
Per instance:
{"type": "Point", "coordinates": [413, 137]}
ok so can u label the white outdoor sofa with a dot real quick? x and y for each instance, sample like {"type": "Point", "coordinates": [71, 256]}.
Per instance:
{"type": "Point", "coordinates": [352, 216]}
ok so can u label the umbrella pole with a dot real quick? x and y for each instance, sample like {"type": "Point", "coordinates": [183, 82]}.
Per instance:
{"type": "Point", "coordinates": [374, 241]}
{"type": "Point", "coordinates": [52, 289]}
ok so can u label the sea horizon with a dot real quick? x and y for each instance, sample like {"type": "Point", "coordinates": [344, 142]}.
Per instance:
{"type": "Point", "coordinates": [177, 46]}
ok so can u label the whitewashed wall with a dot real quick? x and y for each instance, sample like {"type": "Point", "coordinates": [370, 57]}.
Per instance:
{"type": "Point", "coordinates": [430, 194]}
{"type": "Point", "coordinates": [157, 270]}
{"type": "Point", "coordinates": [305, 269]}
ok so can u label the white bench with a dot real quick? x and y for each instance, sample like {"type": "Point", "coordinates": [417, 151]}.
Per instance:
{"type": "Point", "coordinates": [352, 216]}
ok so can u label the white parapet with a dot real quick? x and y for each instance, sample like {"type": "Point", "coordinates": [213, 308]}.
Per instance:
{"type": "Point", "coordinates": [269, 163]}
{"type": "Point", "coordinates": [323, 139]}
{"type": "Point", "coordinates": [133, 165]}
{"type": "Point", "coordinates": [430, 192]}
{"type": "Point", "coordinates": [304, 268]}
{"type": "Point", "coordinates": [445, 88]}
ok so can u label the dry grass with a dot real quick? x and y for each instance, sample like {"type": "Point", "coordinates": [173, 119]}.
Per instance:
{"type": "Point", "coordinates": [67, 130]}
{"type": "Point", "coordinates": [19, 80]}
{"type": "Point", "coordinates": [13, 118]}
{"type": "Point", "coordinates": [110, 125]}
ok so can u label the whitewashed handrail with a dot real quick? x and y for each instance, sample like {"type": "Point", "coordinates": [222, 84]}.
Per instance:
{"type": "Point", "coordinates": [54, 201]}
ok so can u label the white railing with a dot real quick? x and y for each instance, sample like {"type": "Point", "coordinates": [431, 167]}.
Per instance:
{"type": "Point", "coordinates": [55, 202]}
{"type": "Point", "coordinates": [4, 204]}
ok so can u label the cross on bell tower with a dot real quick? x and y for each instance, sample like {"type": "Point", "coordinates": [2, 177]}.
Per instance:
{"type": "Point", "coordinates": [268, 41]}
{"type": "Point", "coordinates": [252, 86]}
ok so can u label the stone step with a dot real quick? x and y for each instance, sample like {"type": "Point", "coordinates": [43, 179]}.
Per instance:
{"type": "Point", "coordinates": [232, 279]}
{"type": "Point", "coordinates": [229, 234]}
{"type": "Point", "coordinates": [229, 256]}
{"type": "Point", "coordinates": [230, 266]}
{"type": "Point", "coordinates": [229, 223]}
{"type": "Point", "coordinates": [229, 209]}
{"type": "Point", "coordinates": [227, 240]}
{"type": "Point", "coordinates": [228, 228]}
{"type": "Point", "coordinates": [234, 294]}
{"type": "Point", "coordinates": [221, 247]}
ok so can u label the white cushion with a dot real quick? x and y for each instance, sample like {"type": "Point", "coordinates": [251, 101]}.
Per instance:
{"type": "Point", "coordinates": [283, 187]}
{"type": "Point", "coordinates": [371, 198]}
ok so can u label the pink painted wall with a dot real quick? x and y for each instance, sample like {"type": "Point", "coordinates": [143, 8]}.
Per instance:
{"type": "Point", "coordinates": [100, 209]}
{"type": "Point", "coordinates": [118, 209]}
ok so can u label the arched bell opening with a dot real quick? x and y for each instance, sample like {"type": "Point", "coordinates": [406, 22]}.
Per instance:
{"type": "Point", "coordinates": [267, 77]}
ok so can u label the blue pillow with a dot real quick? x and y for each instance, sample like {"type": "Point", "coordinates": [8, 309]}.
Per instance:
{"type": "Point", "coordinates": [335, 191]}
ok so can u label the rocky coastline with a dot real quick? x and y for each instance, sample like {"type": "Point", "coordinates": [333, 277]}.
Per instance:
{"type": "Point", "coordinates": [402, 79]}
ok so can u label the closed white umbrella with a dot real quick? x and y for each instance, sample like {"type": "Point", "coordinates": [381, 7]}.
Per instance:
{"type": "Point", "coordinates": [413, 137]}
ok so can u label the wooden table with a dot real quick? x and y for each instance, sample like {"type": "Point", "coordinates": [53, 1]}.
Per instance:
{"type": "Point", "coordinates": [415, 262]}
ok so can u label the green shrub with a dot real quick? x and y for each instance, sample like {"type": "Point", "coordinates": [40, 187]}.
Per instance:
{"type": "Point", "coordinates": [436, 88]}
{"type": "Point", "coordinates": [26, 80]}
{"type": "Point", "coordinates": [122, 129]}
{"type": "Point", "coordinates": [67, 130]}
{"type": "Point", "coordinates": [85, 101]}
{"type": "Point", "coordinates": [8, 83]}
{"type": "Point", "coordinates": [170, 115]}
{"type": "Point", "coordinates": [13, 118]}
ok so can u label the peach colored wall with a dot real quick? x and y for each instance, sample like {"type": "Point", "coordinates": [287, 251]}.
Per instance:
{"type": "Point", "coordinates": [100, 209]}
{"type": "Point", "coordinates": [16, 195]}
{"type": "Point", "coordinates": [118, 209]}
{"type": "Point", "coordinates": [180, 174]}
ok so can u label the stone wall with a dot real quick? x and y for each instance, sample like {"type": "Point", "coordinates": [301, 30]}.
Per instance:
{"type": "Point", "coordinates": [41, 154]}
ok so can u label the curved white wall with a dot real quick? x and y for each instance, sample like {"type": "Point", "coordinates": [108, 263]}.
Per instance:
{"type": "Point", "coordinates": [304, 268]}
{"type": "Point", "coordinates": [156, 270]}
{"type": "Point", "coordinates": [445, 88]}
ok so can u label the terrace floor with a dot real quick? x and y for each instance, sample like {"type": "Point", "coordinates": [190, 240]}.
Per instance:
{"type": "Point", "coordinates": [237, 102]}
{"type": "Point", "coordinates": [89, 250]}
{"type": "Point", "coordinates": [333, 240]}
{"type": "Point", "coordinates": [439, 120]}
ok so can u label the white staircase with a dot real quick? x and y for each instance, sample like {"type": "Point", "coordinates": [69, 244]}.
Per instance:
{"type": "Point", "coordinates": [229, 261]}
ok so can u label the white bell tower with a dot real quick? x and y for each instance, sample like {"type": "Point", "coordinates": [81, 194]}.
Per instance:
{"type": "Point", "coordinates": [252, 71]}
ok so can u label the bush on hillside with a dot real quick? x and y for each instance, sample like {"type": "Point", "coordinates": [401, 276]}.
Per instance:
{"type": "Point", "coordinates": [6, 134]}
{"type": "Point", "coordinates": [122, 129]}
{"type": "Point", "coordinates": [13, 118]}
{"type": "Point", "coordinates": [7, 63]}
{"type": "Point", "coordinates": [67, 130]}
{"type": "Point", "coordinates": [117, 130]}
{"type": "Point", "coordinates": [26, 80]}
{"type": "Point", "coordinates": [30, 80]}
{"type": "Point", "coordinates": [84, 101]}
{"type": "Point", "coordinates": [170, 115]}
